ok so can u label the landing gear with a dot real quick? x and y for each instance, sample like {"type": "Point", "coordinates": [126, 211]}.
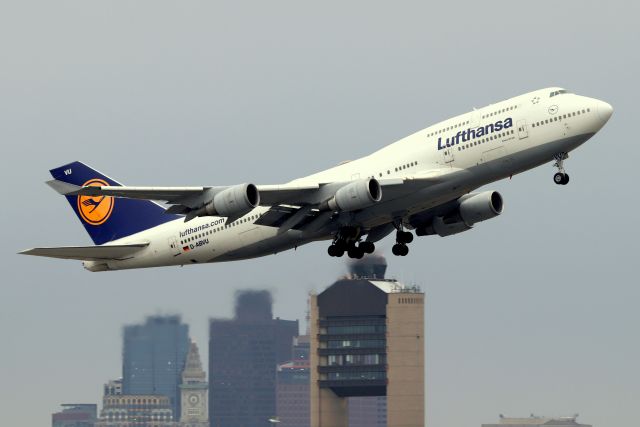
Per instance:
{"type": "Point", "coordinates": [402, 238]}
{"type": "Point", "coordinates": [367, 247]}
{"type": "Point", "coordinates": [347, 241]}
{"type": "Point", "coordinates": [561, 177]}
{"type": "Point", "coordinates": [400, 249]}
{"type": "Point", "coordinates": [335, 250]}
{"type": "Point", "coordinates": [355, 252]}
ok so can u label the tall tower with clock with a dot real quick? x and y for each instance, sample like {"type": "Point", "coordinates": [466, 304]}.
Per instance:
{"type": "Point", "coordinates": [193, 391]}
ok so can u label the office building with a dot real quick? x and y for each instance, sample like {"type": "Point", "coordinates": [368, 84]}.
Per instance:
{"type": "Point", "coordinates": [153, 358]}
{"type": "Point", "coordinates": [367, 411]}
{"type": "Point", "coordinates": [243, 355]}
{"type": "Point", "coordinates": [113, 387]}
{"type": "Point", "coordinates": [136, 411]}
{"type": "Point", "coordinates": [367, 339]}
{"type": "Point", "coordinates": [292, 386]}
{"type": "Point", "coordinates": [75, 415]}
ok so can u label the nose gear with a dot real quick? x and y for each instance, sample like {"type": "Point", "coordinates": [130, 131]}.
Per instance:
{"type": "Point", "coordinates": [561, 177]}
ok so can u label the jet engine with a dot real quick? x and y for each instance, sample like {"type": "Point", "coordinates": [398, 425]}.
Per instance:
{"type": "Point", "coordinates": [472, 208]}
{"type": "Point", "coordinates": [480, 207]}
{"type": "Point", "coordinates": [231, 202]}
{"type": "Point", "coordinates": [354, 196]}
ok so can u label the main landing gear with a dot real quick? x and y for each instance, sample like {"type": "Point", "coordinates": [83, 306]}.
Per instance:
{"type": "Point", "coordinates": [561, 177]}
{"type": "Point", "coordinates": [347, 241]}
{"type": "Point", "coordinates": [402, 238]}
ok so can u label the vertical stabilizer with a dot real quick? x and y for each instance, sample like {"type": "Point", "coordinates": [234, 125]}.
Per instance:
{"type": "Point", "coordinates": [108, 218]}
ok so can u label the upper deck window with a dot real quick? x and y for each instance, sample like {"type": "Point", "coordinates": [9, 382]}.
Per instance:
{"type": "Point", "coordinates": [558, 92]}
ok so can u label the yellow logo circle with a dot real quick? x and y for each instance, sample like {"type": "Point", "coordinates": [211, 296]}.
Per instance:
{"type": "Point", "coordinates": [95, 210]}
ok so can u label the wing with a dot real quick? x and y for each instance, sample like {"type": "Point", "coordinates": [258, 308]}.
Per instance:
{"type": "Point", "coordinates": [191, 201]}
{"type": "Point", "coordinates": [88, 253]}
{"type": "Point", "coordinates": [191, 197]}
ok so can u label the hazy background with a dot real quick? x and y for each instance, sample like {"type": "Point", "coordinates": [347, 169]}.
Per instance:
{"type": "Point", "coordinates": [535, 311]}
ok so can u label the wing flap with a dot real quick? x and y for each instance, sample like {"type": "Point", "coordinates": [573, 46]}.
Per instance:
{"type": "Point", "coordinates": [88, 253]}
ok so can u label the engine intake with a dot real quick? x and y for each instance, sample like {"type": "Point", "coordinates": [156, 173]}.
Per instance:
{"type": "Point", "coordinates": [354, 196]}
{"type": "Point", "coordinates": [480, 207]}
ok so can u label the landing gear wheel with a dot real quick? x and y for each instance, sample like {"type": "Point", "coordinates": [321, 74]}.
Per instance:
{"type": "Point", "coordinates": [404, 237]}
{"type": "Point", "coordinates": [367, 247]}
{"type": "Point", "coordinates": [558, 178]}
{"type": "Point", "coordinates": [335, 250]}
{"type": "Point", "coordinates": [341, 245]}
{"type": "Point", "coordinates": [355, 252]}
{"type": "Point", "coordinates": [561, 178]}
{"type": "Point", "coordinates": [400, 249]}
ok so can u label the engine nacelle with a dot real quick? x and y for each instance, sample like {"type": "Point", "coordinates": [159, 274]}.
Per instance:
{"type": "Point", "coordinates": [355, 195]}
{"type": "Point", "coordinates": [233, 201]}
{"type": "Point", "coordinates": [472, 208]}
{"type": "Point", "coordinates": [480, 207]}
{"type": "Point", "coordinates": [443, 227]}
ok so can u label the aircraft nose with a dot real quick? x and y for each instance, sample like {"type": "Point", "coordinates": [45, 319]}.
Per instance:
{"type": "Point", "coordinates": [605, 110]}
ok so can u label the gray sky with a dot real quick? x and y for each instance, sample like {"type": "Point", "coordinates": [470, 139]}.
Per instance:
{"type": "Point", "coordinates": [535, 311]}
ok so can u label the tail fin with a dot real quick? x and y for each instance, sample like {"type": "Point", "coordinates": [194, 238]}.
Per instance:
{"type": "Point", "coordinates": [108, 218]}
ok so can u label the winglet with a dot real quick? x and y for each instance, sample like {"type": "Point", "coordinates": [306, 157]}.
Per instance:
{"type": "Point", "coordinates": [64, 188]}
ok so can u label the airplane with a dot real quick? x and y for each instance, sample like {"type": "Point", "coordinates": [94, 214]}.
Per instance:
{"type": "Point", "coordinates": [424, 184]}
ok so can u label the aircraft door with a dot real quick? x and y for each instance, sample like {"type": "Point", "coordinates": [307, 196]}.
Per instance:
{"type": "Point", "coordinates": [174, 246]}
{"type": "Point", "coordinates": [522, 129]}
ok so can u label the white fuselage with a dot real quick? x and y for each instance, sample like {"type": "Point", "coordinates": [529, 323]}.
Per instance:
{"type": "Point", "coordinates": [541, 126]}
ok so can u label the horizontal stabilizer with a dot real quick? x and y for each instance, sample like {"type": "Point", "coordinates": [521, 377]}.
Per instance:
{"type": "Point", "coordinates": [62, 187]}
{"type": "Point", "coordinates": [88, 253]}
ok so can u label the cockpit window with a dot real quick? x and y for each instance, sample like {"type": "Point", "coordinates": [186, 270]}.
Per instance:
{"type": "Point", "coordinates": [558, 92]}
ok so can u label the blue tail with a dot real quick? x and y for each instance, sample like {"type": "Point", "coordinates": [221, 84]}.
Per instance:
{"type": "Point", "coordinates": [108, 218]}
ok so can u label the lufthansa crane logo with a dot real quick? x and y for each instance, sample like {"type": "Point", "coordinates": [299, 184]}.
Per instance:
{"type": "Point", "coordinates": [95, 210]}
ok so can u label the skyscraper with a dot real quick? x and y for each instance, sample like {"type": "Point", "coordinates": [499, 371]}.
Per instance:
{"type": "Point", "coordinates": [154, 355]}
{"type": "Point", "coordinates": [243, 355]}
{"type": "Point", "coordinates": [367, 339]}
